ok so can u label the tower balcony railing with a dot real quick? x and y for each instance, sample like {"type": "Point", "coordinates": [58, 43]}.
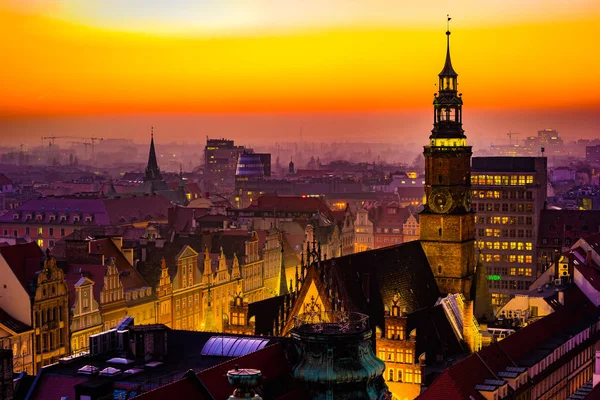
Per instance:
{"type": "Point", "coordinates": [331, 322]}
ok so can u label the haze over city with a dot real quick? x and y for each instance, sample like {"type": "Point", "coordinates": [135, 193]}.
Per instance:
{"type": "Point", "coordinates": [260, 70]}
{"type": "Point", "coordinates": [299, 200]}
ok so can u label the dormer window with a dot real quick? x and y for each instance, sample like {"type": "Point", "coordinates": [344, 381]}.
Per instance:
{"type": "Point", "coordinates": [52, 217]}
{"type": "Point", "coordinates": [16, 216]}
{"type": "Point", "coordinates": [28, 217]}
{"type": "Point", "coordinates": [76, 218]}
{"type": "Point", "coordinates": [88, 218]}
{"type": "Point", "coordinates": [63, 218]}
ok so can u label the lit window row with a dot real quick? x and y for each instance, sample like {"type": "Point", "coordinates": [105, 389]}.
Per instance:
{"type": "Point", "coordinates": [502, 180]}
{"type": "Point", "coordinates": [520, 271]}
{"type": "Point", "coordinates": [505, 245]}
{"type": "Point", "coordinates": [511, 258]}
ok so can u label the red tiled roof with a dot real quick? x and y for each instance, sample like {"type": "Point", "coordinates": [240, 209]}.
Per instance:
{"type": "Point", "coordinates": [125, 210]}
{"type": "Point", "coordinates": [106, 247]}
{"type": "Point", "coordinates": [459, 381]}
{"type": "Point", "coordinates": [271, 361]}
{"type": "Point", "coordinates": [24, 260]}
{"type": "Point", "coordinates": [5, 180]}
{"type": "Point", "coordinates": [52, 387]}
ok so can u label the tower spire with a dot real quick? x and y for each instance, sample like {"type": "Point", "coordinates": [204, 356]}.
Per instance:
{"type": "Point", "coordinates": [448, 71]}
{"type": "Point", "coordinates": [152, 170]}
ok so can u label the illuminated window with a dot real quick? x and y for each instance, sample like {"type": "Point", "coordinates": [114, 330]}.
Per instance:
{"type": "Point", "coordinates": [520, 246]}
{"type": "Point", "coordinates": [513, 180]}
{"type": "Point", "coordinates": [40, 242]}
{"type": "Point", "coordinates": [513, 245]}
{"type": "Point", "coordinates": [521, 271]}
{"type": "Point", "coordinates": [528, 259]}
{"type": "Point", "coordinates": [529, 179]}
{"type": "Point", "coordinates": [504, 219]}
{"type": "Point", "coordinates": [496, 194]}
{"type": "Point", "coordinates": [480, 244]}
{"type": "Point", "coordinates": [496, 232]}
{"type": "Point", "coordinates": [489, 245]}
{"type": "Point", "coordinates": [40, 231]}
{"type": "Point", "coordinates": [489, 194]}
{"type": "Point", "coordinates": [513, 271]}
{"type": "Point", "coordinates": [496, 245]}
{"type": "Point", "coordinates": [512, 258]}
{"type": "Point", "coordinates": [528, 246]}
{"type": "Point", "coordinates": [527, 271]}
{"type": "Point", "coordinates": [505, 180]}
{"type": "Point", "coordinates": [521, 179]}
{"type": "Point", "coordinates": [521, 259]}
{"type": "Point", "coordinates": [489, 232]}
{"type": "Point", "coordinates": [488, 257]}
{"type": "Point", "coordinates": [504, 245]}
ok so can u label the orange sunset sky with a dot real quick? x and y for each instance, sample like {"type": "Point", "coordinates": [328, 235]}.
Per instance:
{"type": "Point", "coordinates": [73, 63]}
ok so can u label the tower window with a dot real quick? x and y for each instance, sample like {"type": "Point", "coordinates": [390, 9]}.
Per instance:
{"type": "Point", "coordinates": [439, 269]}
{"type": "Point", "coordinates": [440, 231]}
{"type": "Point", "coordinates": [439, 179]}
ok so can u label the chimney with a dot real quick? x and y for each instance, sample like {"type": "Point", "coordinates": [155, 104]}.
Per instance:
{"type": "Point", "coordinates": [588, 258]}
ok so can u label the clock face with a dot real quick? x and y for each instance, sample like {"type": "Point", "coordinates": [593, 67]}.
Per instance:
{"type": "Point", "coordinates": [467, 201]}
{"type": "Point", "coordinates": [440, 200]}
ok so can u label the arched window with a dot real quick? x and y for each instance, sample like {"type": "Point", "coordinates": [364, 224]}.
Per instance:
{"type": "Point", "coordinates": [439, 269]}
{"type": "Point", "coordinates": [391, 375]}
{"type": "Point", "coordinates": [399, 375]}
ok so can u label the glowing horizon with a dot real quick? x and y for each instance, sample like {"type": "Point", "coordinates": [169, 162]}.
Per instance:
{"type": "Point", "coordinates": [65, 58]}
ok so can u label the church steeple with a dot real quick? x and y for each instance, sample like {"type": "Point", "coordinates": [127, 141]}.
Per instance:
{"type": "Point", "coordinates": [447, 106]}
{"type": "Point", "coordinates": [152, 170]}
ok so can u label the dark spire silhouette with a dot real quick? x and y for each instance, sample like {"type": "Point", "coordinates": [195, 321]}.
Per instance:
{"type": "Point", "coordinates": [448, 70]}
{"type": "Point", "coordinates": [152, 170]}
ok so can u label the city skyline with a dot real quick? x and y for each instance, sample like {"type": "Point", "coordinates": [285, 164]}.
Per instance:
{"type": "Point", "coordinates": [110, 63]}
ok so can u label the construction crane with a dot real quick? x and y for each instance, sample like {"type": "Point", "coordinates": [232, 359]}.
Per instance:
{"type": "Point", "coordinates": [85, 144]}
{"type": "Point", "coordinates": [94, 140]}
{"type": "Point", "coordinates": [510, 135]}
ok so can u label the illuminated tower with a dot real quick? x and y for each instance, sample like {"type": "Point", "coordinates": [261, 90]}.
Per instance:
{"type": "Point", "coordinates": [447, 222]}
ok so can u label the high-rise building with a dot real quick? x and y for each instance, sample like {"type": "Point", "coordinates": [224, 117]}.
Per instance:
{"type": "Point", "coordinates": [509, 194]}
{"type": "Point", "coordinates": [220, 161]}
{"type": "Point", "coordinates": [447, 221]}
{"type": "Point", "coordinates": [592, 154]}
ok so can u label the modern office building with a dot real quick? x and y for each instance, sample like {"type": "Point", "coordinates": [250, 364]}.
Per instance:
{"type": "Point", "coordinates": [508, 195]}
{"type": "Point", "coordinates": [220, 161]}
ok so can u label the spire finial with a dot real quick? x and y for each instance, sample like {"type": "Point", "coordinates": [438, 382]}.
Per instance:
{"type": "Point", "coordinates": [448, 25]}
{"type": "Point", "coordinates": [152, 131]}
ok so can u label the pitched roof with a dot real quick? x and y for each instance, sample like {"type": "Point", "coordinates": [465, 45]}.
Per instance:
{"type": "Point", "coordinates": [12, 323]}
{"type": "Point", "coordinates": [401, 269]}
{"type": "Point", "coordinates": [50, 386]}
{"type": "Point", "coordinates": [25, 261]}
{"type": "Point", "coordinates": [522, 348]}
{"type": "Point", "coordinates": [272, 361]}
{"type": "Point", "coordinates": [5, 180]}
{"type": "Point", "coordinates": [125, 210]}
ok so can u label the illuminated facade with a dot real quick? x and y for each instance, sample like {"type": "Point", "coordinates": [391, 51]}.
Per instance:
{"type": "Point", "coordinates": [51, 314]}
{"type": "Point", "coordinates": [397, 348]}
{"type": "Point", "coordinates": [447, 223]}
{"type": "Point", "coordinates": [86, 318]}
{"type": "Point", "coordinates": [363, 231]}
{"type": "Point", "coordinates": [508, 195]}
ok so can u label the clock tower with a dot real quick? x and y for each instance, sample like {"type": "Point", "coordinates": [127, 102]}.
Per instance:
{"type": "Point", "coordinates": [447, 221]}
